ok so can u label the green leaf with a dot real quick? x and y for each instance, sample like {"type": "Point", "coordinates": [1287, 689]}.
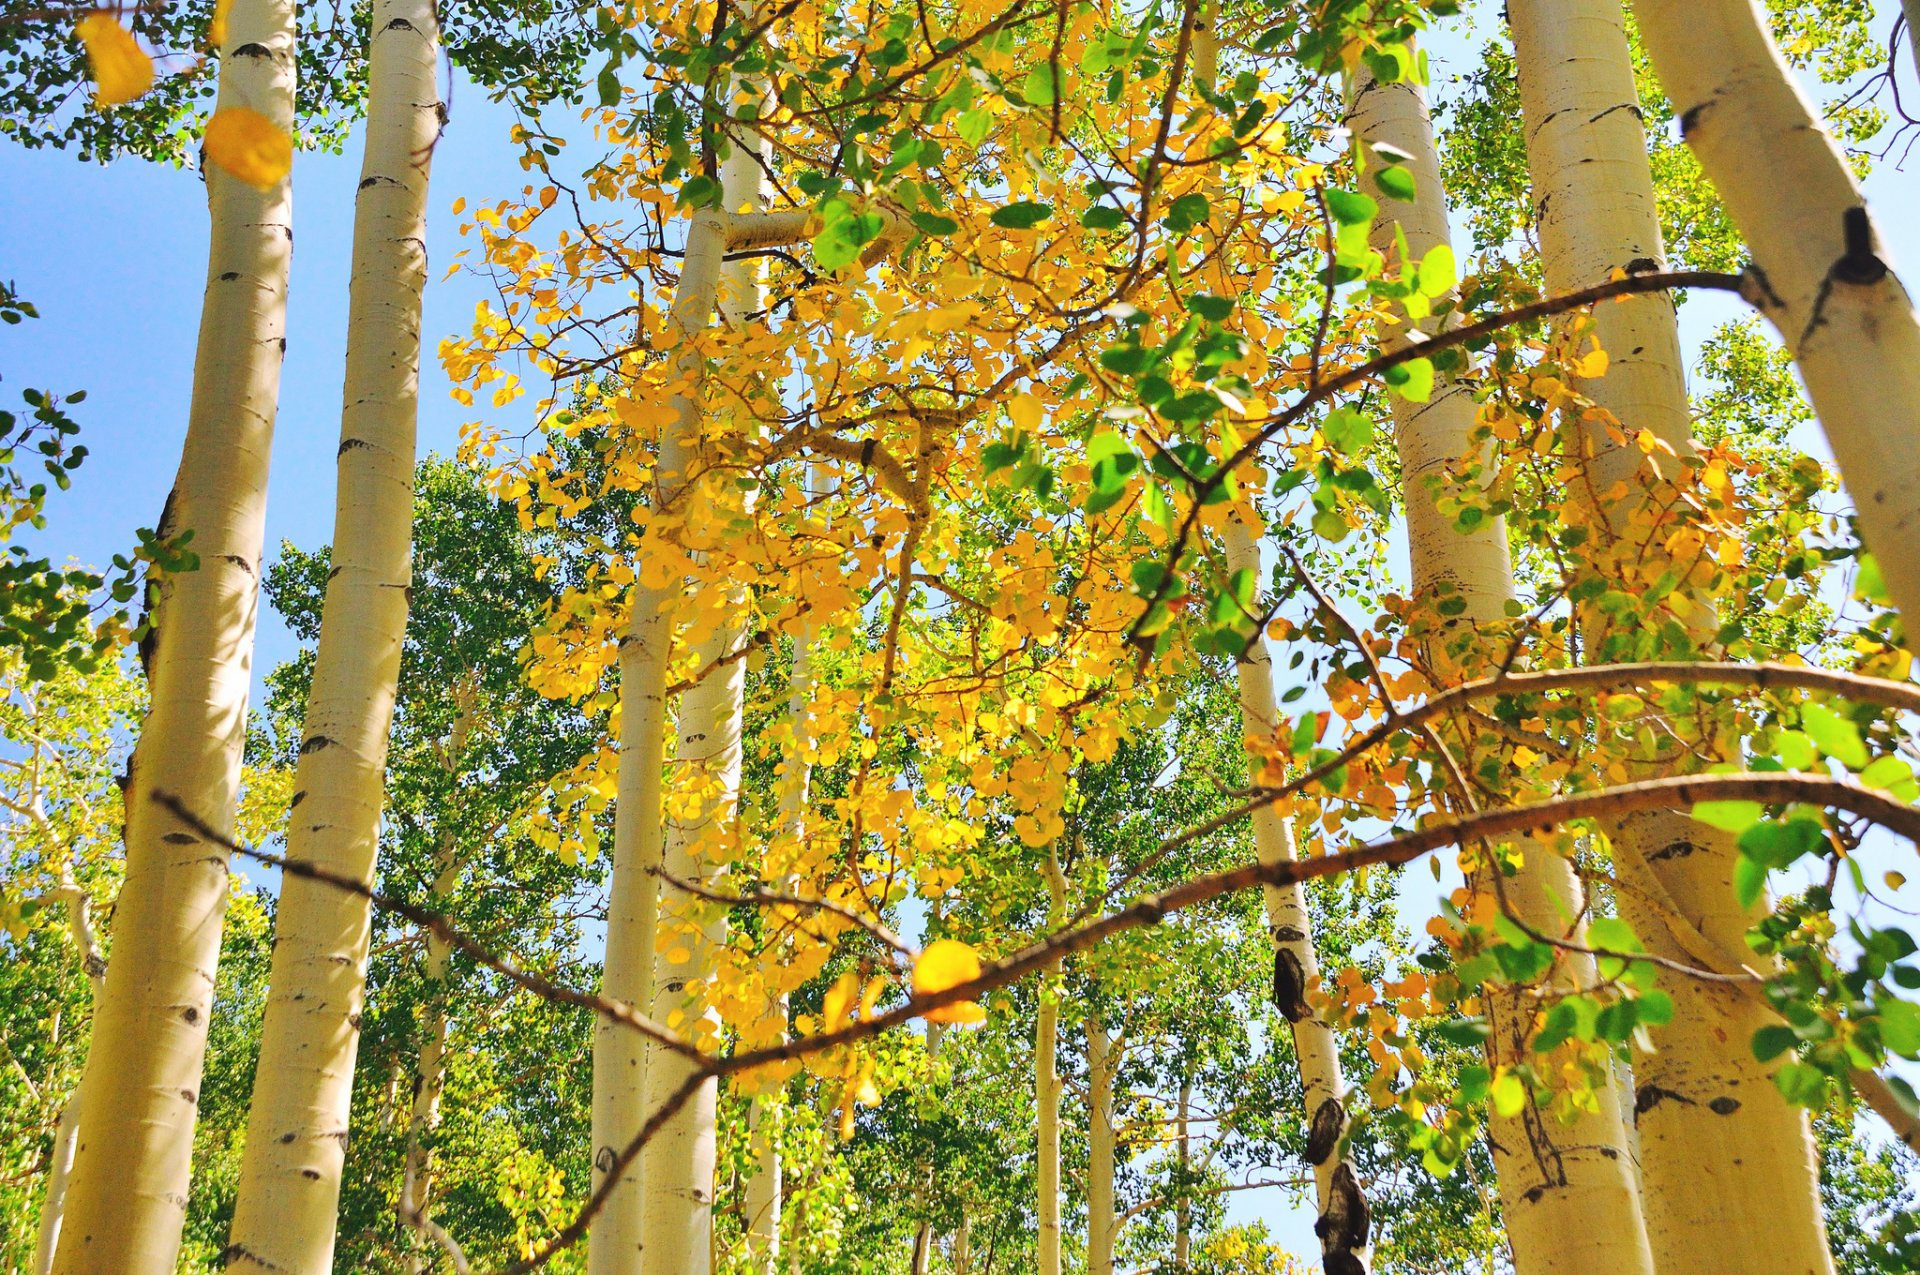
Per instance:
{"type": "Point", "coordinates": [1039, 87]}
{"type": "Point", "coordinates": [1893, 775]}
{"type": "Point", "coordinates": [1103, 217]}
{"type": "Point", "coordinates": [1772, 1041]}
{"type": "Point", "coordinates": [1729, 816]}
{"type": "Point", "coordinates": [1350, 208]}
{"type": "Point", "coordinates": [1749, 881]}
{"type": "Point", "coordinates": [1213, 309]}
{"type": "Point", "coordinates": [1508, 1095]}
{"type": "Point", "coordinates": [1413, 380]}
{"type": "Point", "coordinates": [843, 233]}
{"type": "Point", "coordinates": [1900, 1027]}
{"type": "Point", "coordinates": [1467, 1033]}
{"type": "Point", "coordinates": [1438, 274]}
{"type": "Point", "coordinates": [1328, 524]}
{"type": "Point", "coordinates": [934, 224]}
{"type": "Point", "coordinates": [1838, 738]}
{"type": "Point", "coordinates": [1779, 843]}
{"type": "Point", "coordinates": [1395, 182]}
{"type": "Point", "coordinates": [1611, 934]}
{"type": "Point", "coordinates": [1021, 216]}
{"type": "Point", "coordinates": [1350, 431]}
{"type": "Point", "coordinates": [1187, 212]}
{"type": "Point", "coordinates": [973, 126]}
{"type": "Point", "coordinates": [1795, 751]}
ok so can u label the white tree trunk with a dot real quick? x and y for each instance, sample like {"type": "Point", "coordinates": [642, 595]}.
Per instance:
{"type": "Point", "coordinates": [1183, 1204]}
{"type": "Point", "coordinates": [289, 1190]}
{"type": "Point", "coordinates": [1727, 1166]}
{"type": "Point", "coordinates": [1101, 1225]}
{"type": "Point", "coordinates": [1046, 1088]}
{"type": "Point", "coordinates": [1824, 277]}
{"type": "Point", "coordinates": [1567, 1190]}
{"type": "Point", "coordinates": [127, 1201]}
{"type": "Point", "coordinates": [678, 1172]}
{"type": "Point", "coordinates": [66, 1133]}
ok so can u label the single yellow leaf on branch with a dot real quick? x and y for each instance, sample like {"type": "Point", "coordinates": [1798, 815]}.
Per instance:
{"type": "Point", "coordinates": [948, 963]}
{"type": "Point", "coordinates": [122, 71]}
{"type": "Point", "coordinates": [249, 146]}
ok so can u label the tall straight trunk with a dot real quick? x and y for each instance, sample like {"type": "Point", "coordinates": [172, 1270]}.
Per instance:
{"type": "Point", "coordinates": [66, 1132]}
{"type": "Point", "coordinates": [289, 1190]}
{"type": "Point", "coordinates": [677, 1174]}
{"type": "Point", "coordinates": [430, 1072]}
{"type": "Point", "coordinates": [1729, 1174]}
{"type": "Point", "coordinates": [1046, 1087]}
{"type": "Point", "coordinates": [764, 1189]}
{"type": "Point", "coordinates": [1343, 1213]}
{"type": "Point", "coordinates": [1567, 1189]}
{"type": "Point", "coordinates": [128, 1197]}
{"type": "Point", "coordinates": [1824, 278]}
{"type": "Point", "coordinates": [963, 1248]}
{"type": "Point", "coordinates": [1183, 1204]}
{"type": "Point", "coordinates": [1101, 1226]}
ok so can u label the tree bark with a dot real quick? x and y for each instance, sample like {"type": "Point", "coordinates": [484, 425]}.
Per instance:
{"type": "Point", "coordinates": [1342, 1225]}
{"type": "Point", "coordinates": [1101, 1225]}
{"type": "Point", "coordinates": [1824, 279]}
{"type": "Point", "coordinates": [1567, 1190]}
{"type": "Point", "coordinates": [678, 1164]}
{"type": "Point", "coordinates": [1730, 1180]}
{"type": "Point", "coordinates": [1183, 1203]}
{"type": "Point", "coordinates": [66, 1131]}
{"type": "Point", "coordinates": [127, 1201]}
{"type": "Point", "coordinates": [1047, 1087]}
{"type": "Point", "coordinates": [289, 1190]}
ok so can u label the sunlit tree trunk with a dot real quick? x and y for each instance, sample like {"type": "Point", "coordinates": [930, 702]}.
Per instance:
{"type": "Point", "coordinates": [430, 1072]}
{"type": "Point", "coordinates": [1101, 1064]}
{"type": "Point", "coordinates": [1343, 1220]}
{"type": "Point", "coordinates": [963, 1249]}
{"type": "Point", "coordinates": [764, 1189]}
{"type": "Point", "coordinates": [66, 1132]}
{"type": "Point", "coordinates": [1183, 1203]}
{"type": "Point", "coordinates": [1729, 1175]}
{"type": "Point", "coordinates": [1046, 1088]}
{"type": "Point", "coordinates": [1822, 274]}
{"type": "Point", "coordinates": [289, 1191]}
{"type": "Point", "coordinates": [128, 1197]}
{"type": "Point", "coordinates": [678, 1172]}
{"type": "Point", "coordinates": [1567, 1190]}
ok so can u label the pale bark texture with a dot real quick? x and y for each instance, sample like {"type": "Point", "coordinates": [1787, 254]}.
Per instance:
{"type": "Point", "coordinates": [66, 1133]}
{"type": "Point", "coordinates": [1343, 1215]}
{"type": "Point", "coordinates": [1567, 1189]}
{"type": "Point", "coordinates": [1046, 1088]}
{"type": "Point", "coordinates": [430, 1072]}
{"type": "Point", "coordinates": [289, 1191]}
{"type": "Point", "coordinates": [677, 1175]}
{"type": "Point", "coordinates": [127, 1201]}
{"type": "Point", "coordinates": [1183, 1206]}
{"type": "Point", "coordinates": [1102, 1060]}
{"type": "Point", "coordinates": [1821, 274]}
{"type": "Point", "coordinates": [1730, 1181]}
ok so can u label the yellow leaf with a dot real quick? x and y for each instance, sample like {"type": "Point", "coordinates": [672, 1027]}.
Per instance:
{"type": "Point", "coordinates": [839, 1000]}
{"type": "Point", "coordinates": [122, 70]}
{"type": "Point", "coordinates": [948, 963]}
{"type": "Point", "coordinates": [1025, 411]}
{"type": "Point", "coordinates": [1592, 366]}
{"type": "Point", "coordinates": [249, 146]}
{"type": "Point", "coordinates": [217, 29]}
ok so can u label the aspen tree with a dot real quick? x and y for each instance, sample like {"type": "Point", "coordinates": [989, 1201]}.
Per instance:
{"type": "Point", "coordinates": [66, 1132]}
{"type": "Point", "coordinates": [1102, 1061]}
{"type": "Point", "coordinates": [764, 1188]}
{"type": "Point", "coordinates": [1820, 272]}
{"type": "Point", "coordinates": [1183, 1203]}
{"type": "Point", "coordinates": [678, 1163]}
{"type": "Point", "coordinates": [1567, 1190]}
{"type": "Point", "coordinates": [1723, 1155]}
{"type": "Point", "coordinates": [1342, 1224]}
{"type": "Point", "coordinates": [1046, 1085]}
{"type": "Point", "coordinates": [430, 1073]}
{"type": "Point", "coordinates": [289, 1191]}
{"type": "Point", "coordinates": [128, 1196]}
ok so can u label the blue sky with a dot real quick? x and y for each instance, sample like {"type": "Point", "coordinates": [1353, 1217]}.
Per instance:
{"type": "Point", "coordinates": [114, 258]}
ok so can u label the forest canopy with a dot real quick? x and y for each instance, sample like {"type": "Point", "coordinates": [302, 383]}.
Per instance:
{"type": "Point", "coordinates": [1061, 636]}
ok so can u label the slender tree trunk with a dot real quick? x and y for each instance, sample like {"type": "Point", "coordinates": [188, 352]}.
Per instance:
{"type": "Point", "coordinates": [764, 1189]}
{"type": "Point", "coordinates": [1183, 1205]}
{"type": "Point", "coordinates": [430, 1072]}
{"type": "Point", "coordinates": [127, 1201]}
{"type": "Point", "coordinates": [1910, 10]}
{"type": "Point", "coordinates": [1046, 1087]}
{"type": "Point", "coordinates": [678, 1171]}
{"type": "Point", "coordinates": [1567, 1190]}
{"type": "Point", "coordinates": [1730, 1180]}
{"type": "Point", "coordinates": [289, 1191]}
{"type": "Point", "coordinates": [1101, 1227]}
{"type": "Point", "coordinates": [1343, 1221]}
{"type": "Point", "coordinates": [963, 1248]}
{"type": "Point", "coordinates": [66, 1132]}
{"type": "Point", "coordinates": [1823, 276]}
